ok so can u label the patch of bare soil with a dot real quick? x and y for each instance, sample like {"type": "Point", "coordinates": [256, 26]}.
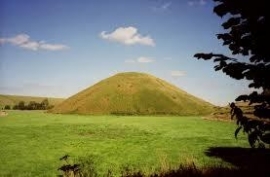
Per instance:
{"type": "Point", "coordinates": [3, 113]}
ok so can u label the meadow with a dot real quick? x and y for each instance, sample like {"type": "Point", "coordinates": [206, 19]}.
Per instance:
{"type": "Point", "coordinates": [33, 141]}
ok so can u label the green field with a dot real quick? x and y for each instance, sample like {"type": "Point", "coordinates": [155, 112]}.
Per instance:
{"type": "Point", "coordinates": [33, 142]}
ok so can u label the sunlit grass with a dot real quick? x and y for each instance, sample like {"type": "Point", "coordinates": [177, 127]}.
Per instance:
{"type": "Point", "coordinates": [32, 142]}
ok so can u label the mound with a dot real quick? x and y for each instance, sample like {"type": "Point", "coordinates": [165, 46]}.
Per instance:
{"type": "Point", "coordinates": [133, 93]}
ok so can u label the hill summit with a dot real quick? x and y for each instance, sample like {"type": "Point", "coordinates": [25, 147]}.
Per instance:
{"type": "Point", "coordinates": [133, 93]}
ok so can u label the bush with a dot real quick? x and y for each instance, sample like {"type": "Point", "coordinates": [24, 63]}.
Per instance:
{"type": "Point", "coordinates": [7, 107]}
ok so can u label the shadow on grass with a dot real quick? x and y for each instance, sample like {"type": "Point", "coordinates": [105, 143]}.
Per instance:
{"type": "Point", "coordinates": [248, 163]}
{"type": "Point", "coordinates": [242, 157]}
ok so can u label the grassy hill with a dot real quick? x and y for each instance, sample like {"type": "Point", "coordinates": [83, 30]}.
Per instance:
{"type": "Point", "coordinates": [12, 100]}
{"type": "Point", "coordinates": [134, 93]}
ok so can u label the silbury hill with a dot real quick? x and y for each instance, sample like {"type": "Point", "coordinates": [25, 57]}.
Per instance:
{"type": "Point", "coordinates": [133, 93]}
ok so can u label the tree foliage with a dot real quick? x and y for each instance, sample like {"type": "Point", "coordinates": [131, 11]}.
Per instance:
{"type": "Point", "coordinates": [21, 105]}
{"type": "Point", "coordinates": [258, 131]}
{"type": "Point", "coordinates": [7, 107]}
{"type": "Point", "coordinates": [246, 36]}
{"type": "Point", "coordinates": [45, 104]}
{"type": "Point", "coordinates": [32, 105]}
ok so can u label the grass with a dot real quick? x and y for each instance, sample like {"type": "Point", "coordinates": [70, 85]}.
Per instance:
{"type": "Point", "coordinates": [134, 93]}
{"type": "Point", "coordinates": [12, 100]}
{"type": "Point", "coordinates": [32, 142]}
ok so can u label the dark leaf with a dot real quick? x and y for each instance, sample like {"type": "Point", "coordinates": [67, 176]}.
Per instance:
{"type": "Point", "coordinates": [262, 112]}
{"type": "Point", "coordinates": [245, 52]}
{"type": "Point", "coordinates": [238, 122]}
{"type": "Point", "coordinates": [226, 42]}
{"type": "Point", "coordinates": [75, 167]}
{"type": "Point", "coordinates": [218, 67]}
{"type": "Point", "coordinates": [66, 168]}
{"type": "Point", "coordinates": [266, 138]}
{"type": "Point", "coordinates": [222, 63]}
{"type": "Point", "coordinates": [221, 10]}
{"type": "Point", "coordinates": [237, 131]}
{"type": "Point", "coordinates": [224, 37]}
{"type": "Point", "coordinates": [231, 22]}
{"type": "Point", "coordinates": [261, 145]}
{"type": "Point", "coordinates": [266, 127]}
{"type": "Point", "coordinates": [222, 58]}
{"type": "Point", "coordinates": [242, 98]}
{"type": "Point", "coordinates": [205, 56]}
{"type": "Point", "coordinates": [252, 137]}
{"type": "Point", "coordinates": [65, 157]}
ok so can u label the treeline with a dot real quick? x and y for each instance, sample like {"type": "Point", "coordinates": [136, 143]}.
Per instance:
{"type": "Point", "coordinates": [32, 105]}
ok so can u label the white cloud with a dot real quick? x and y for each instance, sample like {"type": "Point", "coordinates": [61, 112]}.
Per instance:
{"type": "Point", "coordinates": [196, 2]}
{"type": "Point", "coordinates": [2, 41]}
{"type": "Point", "coordinates": [24, 41]}
{"type": "Point", "coordinates": [53, 47]}
{"type": "Point", "coordinates": [127, 36]}
{"type": "Point", "coordinates": [163, 7]}
{"type": "Point", "coordinates": [202, 2]}
{"type": "Point", "coordinates": [18, 40]}
{"type": "Point", "coordinates": [130, 61]}
{"type": "Point", "coordinates": [30, 45]}
{"type": "Point", "coordinates": [140, 60]}
{"type": "Point", "coordinates": [178, 73]}
{"type": "Point", "coordinates": [145, 60]}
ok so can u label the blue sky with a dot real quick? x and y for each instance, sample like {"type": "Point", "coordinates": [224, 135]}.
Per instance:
{"type": "Point", "coordinates": [57, 48]}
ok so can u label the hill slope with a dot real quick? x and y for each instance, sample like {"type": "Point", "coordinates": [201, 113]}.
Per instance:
{"type": "Point", "coordinates": [133, 93]}
{"type": "Point", "coordinates": [12, 100]}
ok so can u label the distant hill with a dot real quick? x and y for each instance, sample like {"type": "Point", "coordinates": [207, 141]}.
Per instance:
{"type": "Point", "coordinates": [134, 93]}
{"type": "Point", "coordinates": [12, 100]}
